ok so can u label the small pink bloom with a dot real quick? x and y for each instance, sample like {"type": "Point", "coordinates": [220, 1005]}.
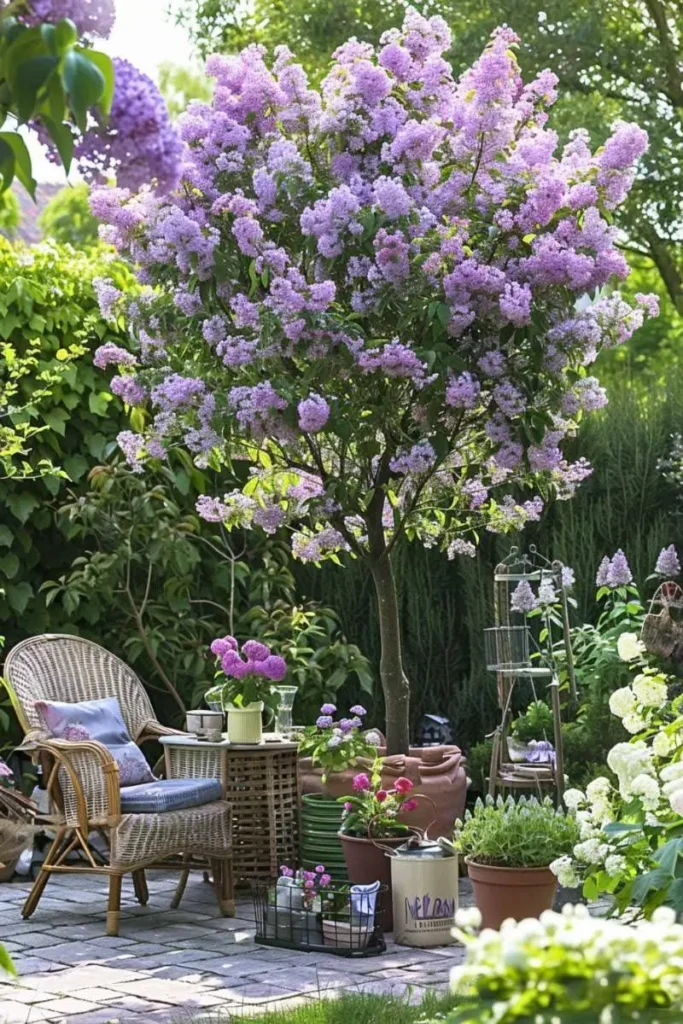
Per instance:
{"type": "Point", "coordinates": [361, 783]}
{"type": "Point", "coordinates": [325, 880]}
{"type": "Point", "coordinates": [348, 806]}
{"type": "Point", "coordinates": [309, 883]}
{"type": "Point", "coordinates": [381, 796]}
{"type": "Point", "coordinates": [403, 785]}
{"type": "Point", "coordinates": [409, 805]}
{"type": "Point", "coordinates": [320, 869]}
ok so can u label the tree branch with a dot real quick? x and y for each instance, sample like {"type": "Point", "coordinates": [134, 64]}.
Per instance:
{"type": "Point", "coordinates": [669, 51]}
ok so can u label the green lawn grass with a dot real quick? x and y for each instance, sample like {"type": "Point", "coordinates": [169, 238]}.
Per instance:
{"type": "Point", "coordinates": [348, 1009]}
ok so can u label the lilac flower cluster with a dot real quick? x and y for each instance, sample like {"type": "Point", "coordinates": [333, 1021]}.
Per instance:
{"type": "Point", "coordinates": [138, 142]}
{"type": "Point", "coordinates": [668, 562]}
{"type": "Point", "coordinates": [91, 17]}
{"type": "Point", "coordinates": [614, 572]}
{"type": "Point", "coordinates": [393, 265]}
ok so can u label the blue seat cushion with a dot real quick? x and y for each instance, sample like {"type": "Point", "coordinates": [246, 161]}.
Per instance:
{"type": "Point", "coordinates": [169, 795]}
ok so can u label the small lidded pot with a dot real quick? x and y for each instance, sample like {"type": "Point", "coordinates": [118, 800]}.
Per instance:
{"type": "Point", "coordinates": [206, 725]}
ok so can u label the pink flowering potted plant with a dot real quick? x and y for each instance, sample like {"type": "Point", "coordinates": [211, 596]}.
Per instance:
{"type": "Point", "coordinates": [246, 680]}
{"type": "Point", "coordinates": [383, 295]}
{"type": "Point", "coordinates": [374, 819]}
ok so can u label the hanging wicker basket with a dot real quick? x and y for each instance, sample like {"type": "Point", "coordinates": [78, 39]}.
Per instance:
{"type": "Point", "coordinates": [662, 631]}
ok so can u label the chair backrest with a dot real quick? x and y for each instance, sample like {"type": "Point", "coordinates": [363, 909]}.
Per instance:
{"type": "Point", "coordinates": [68, 668]}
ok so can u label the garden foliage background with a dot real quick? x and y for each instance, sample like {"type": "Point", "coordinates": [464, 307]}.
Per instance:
{"type": "Point", "coordinates": [92, 552]}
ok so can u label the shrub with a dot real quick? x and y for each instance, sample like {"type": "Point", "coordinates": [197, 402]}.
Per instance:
{"type": "Point", "coordinates": [570, 968]}
{"type": "Point", "coordinates": [525, 833]}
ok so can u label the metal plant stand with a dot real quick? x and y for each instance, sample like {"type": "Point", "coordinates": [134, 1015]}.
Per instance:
{"type": "Point", "coordinates": [515, 654]}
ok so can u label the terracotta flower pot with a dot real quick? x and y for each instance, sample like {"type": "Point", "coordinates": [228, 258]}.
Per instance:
{"type": "Point", "coordinates": [436, 772]}
{"type": "Point", "coordinates": [367, 862]}
{"type": "Point", "coordinates": [510, 892]}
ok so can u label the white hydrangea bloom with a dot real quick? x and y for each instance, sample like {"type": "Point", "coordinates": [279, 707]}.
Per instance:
{"type": "Point", "coordinates": [468, 918]}
{"type": "Point", "coordinates": [573, 798]}
{"type": "Point", "coordinates": [676, 801]}
{"type": "Point", "coordinates": [662, 744]}
{"type": "Point", "coordinates": [634, 723]}
{"type": "Point", "coordinates": [600, 787]}
{"type": "Point", "coordinates": [629, 647]}
{"type": "Point", "coordinates": [647, 789]}
{"type": "Point", "coordinates": [623, 702]}
{"type": "Point", "coordinates": [614, 864]}
{"type": "Point", "coordinates": [627, 760]}
{"type": "Point", "coordinates": [592, 851]}
{"type": "Point", "coordinates": [650, 690]}
{"type": "Point", "coordinates": [565, 872]}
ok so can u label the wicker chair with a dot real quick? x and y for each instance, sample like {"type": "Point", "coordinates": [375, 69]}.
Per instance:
{"type": "Point", "coordinates": [83, 781]}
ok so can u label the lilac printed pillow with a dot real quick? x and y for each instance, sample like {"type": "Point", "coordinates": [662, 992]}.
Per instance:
{"type": "Point", "coordinates": [99, 720]}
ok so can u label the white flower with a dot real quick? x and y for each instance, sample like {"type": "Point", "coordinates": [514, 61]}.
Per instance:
{"type": "Point", "coordinates": [373, 737]}
{"type": "Point", "coordinates": [662, 744]}
{"type": "Point", "coordinates": [546, 591]}
{"type": "Point", "coordinates": [627, 760]}
{"type": "Point", "coordinates": [629, 647]}
{"type": "Point", "coordinates": [614, 864]}
{"type": "Point", "coordinates": [334, 741]}
{"type": "Point", "coordinates": [592, 851]}
{"type": "Point", "coordinates": [665, 916]}
{"type": "Point", "coordinates": [676, 801]}
{"type": "Point", "coordinates": [634, 724]}
{"type": "Point", "coordinates": [565, 872]}
{"type": "Point", "coordinates": [600, 787]}
{"type": "Point", "coordinates": [468, 918]}
{"type": "Point", "coordinates": [622, 702]}
{"type": "Point", "coordinates": [573, 798]}
{"type": "Point", "coordinates": [672, 772]}
{"type": "Point", "coordinates": [650, 690]}
{"type": "Point", "coordinates": [647, 789]}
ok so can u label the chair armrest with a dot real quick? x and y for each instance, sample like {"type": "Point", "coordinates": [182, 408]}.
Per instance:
{"type": "Point", "coordinates": [152, 730]}
{"type": "Point", "coordinates": [88, 777]}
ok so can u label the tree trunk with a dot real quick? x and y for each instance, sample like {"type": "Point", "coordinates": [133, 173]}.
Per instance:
{"type": "Point", "coordinates": [394, 683]}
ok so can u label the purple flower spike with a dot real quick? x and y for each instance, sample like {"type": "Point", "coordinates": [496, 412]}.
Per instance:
{"type": "Point", "coordinates": [668, 562]}
{"type": "Point", "coordinates": [602, 575]}
{"type": "Point", "coordinates": [523, 599]}
{"type": "Point", "coordinates": [619, 574]}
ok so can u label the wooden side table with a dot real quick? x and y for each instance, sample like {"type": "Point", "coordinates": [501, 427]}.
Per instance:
{"type": "Point", "coordinates": [261, 783]}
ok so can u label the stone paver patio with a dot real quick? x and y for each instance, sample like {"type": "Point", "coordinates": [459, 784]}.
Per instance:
{"type": "Point", "coordinates": [172, 965]}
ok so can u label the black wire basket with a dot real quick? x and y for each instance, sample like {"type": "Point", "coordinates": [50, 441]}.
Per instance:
{"type": "Point", "coordinates": [338, 921]}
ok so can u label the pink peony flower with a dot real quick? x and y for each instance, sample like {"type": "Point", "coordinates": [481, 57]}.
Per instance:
{"type": "Point", "coordinates": [381, 796]}
{"type": "Point", "coordinates": [410, 804]}
{"type": "Point", "coordinates": [361, 783]}
{"type": "Point", "coordinates": [403, 785]}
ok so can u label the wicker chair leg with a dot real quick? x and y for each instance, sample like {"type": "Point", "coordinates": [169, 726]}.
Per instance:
{"type": "Point", "coordinates": [182, 882]}
{"type": "Point", "coordinates": [43, 875]}
{"type": "Point", "coordinates": [114, 905]}
{"type": "Point", "coordinates": [222, 882]}
{"type": "Point", "coordinates": [140, 886]}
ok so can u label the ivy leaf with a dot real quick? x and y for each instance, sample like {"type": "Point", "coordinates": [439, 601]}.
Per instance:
{"type": "Point", "coordinates": [18, 596]}
{"type": "Point", "coordinates": [21, 505]}
{"type": "Point", "coordinates": [6, 536]}
{"type": "Point", "coordinates": [9, 565]}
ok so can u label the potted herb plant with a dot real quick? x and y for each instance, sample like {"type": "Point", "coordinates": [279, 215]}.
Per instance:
{"type": "Point", "coordinates": [531, 732]}
{"type": "Point", "coordinates": [508, 846]}
{"type": "Point", "coordinates": [248, 686]}
{"type": "Point", "coordinates": [370, 824]}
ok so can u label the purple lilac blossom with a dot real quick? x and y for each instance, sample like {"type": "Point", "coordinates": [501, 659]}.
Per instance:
{"type": "Point", "coordinates": [668, 562]}
{"type": "Point", "coordinates": [602, 576]}
{"type": "Point", "coordinates": [91, 17]}
{"type": "Point", "coordinates": [523, 599]}
{"type": "Point", "coordinates": [619, 573]}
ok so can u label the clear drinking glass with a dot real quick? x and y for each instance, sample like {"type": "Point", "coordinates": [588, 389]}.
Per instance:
{"type": "Point", "coordinates": [283, 722]}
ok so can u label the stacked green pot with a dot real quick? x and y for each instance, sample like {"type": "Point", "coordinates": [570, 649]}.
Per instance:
{"type": "Point", "coordinates": [320, 822]}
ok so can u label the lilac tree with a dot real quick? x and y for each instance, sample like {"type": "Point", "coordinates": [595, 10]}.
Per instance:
{"type": "Point", "coordinates": [382, 297]}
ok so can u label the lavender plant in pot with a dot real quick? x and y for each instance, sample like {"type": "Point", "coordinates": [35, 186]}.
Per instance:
{"type": "Point", "coordinates": [247, 685]}
{"type": "Point", "coordinates": [508, 847]}
{"type": "Point", "coordinates": [368, 294]}
{"type": "Point", "coordinates": [370, 826]}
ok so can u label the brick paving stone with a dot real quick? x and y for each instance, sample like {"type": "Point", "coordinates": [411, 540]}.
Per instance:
{"type": "Point", "coordinates": [177, 993]}
{"type": "Point", "coordinates": [68, 1006]}
{"type": "Point", "coordinates": [20, 1013]}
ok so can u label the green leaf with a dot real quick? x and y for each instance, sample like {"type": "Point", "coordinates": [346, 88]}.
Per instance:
{"type": "Point", "coordinates": [76, 466]}
{"type": "Point", "coordinates": [97, 403]}
{"type": "Point", "coordinates": [104, 64]}
{"type": "Point", "coordinates": [6, 536]}
{"type": "Point", "coordinates": [84, 83]}
{"type": "Point", "coordinates": [62, 136]}
{"type": "Point", "coordinates": [56, 420]}
{"type": "Point", "coordinates": [6, 964]}
{"type": "Point", "coordinates": [21, 164]}
{"type": "Point", "coordinates": [668, 855]}
{"type": "Point", "coordinates": [644, 884]}
{"type": "Point", "coordinates": [66, 35]}
{"type": "Point", "coordinates": [31, 78]}
{"type": "Point", "coordinates": [9, 565]}
{"type": "Point", "coordinates": [21, 505]}
{"type": "Point", "coordinates": [18, 596]}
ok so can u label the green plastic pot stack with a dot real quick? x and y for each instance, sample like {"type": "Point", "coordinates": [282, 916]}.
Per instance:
{"type": "Point", "coordinates": [320, 822]}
